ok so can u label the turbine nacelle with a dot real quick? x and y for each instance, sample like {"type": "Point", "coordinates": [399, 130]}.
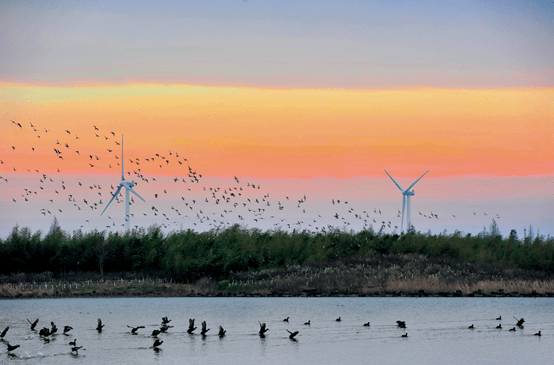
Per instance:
{"type": "Point", "coordinates": [128, 184]}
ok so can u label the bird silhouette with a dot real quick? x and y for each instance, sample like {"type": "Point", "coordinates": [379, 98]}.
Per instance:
{"type": "Point", "coordinates": [292, 334]}
{"type": "Point", "coordinates": [191, 325]}
{"type": "Point", "coordinates": [135, 329]}
{"type": "Point", "coordinates": [33, 324]}
{"type": "Point", "coordinates": [221, 331]}
{"type": "Point", "coordinates": [204, 330]}
{"type": "Point", "coordinates": [13, 347]}
{"type": "Point", "coordinates": [263, 329]}
{"type": "Point", "coordinates": [100, 325]}
{"type": "Point", "coordinates": [157, 343]}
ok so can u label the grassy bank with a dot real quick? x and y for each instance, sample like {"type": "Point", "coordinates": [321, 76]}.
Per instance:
{"type": "Point", "coordinates": [379, 275]}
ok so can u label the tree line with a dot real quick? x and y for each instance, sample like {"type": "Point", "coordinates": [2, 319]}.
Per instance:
{"type": "Point", "coordinates": [186, 256]}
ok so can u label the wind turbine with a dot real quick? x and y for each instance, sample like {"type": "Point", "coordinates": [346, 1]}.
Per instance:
{"type": "Point", "coordinates": [406, 193]}
{"type": "Point", "coordinates": [128, 185]}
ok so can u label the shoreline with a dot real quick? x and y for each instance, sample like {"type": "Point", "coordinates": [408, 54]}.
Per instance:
{"type": "Point", "coordinates": [394, 275]}
{"type": "Point", "coordinates": [186, 291]}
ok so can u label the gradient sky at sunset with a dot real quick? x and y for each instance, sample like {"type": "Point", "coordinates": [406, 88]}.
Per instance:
{"type": "Point", "coordinates": [310, 99]}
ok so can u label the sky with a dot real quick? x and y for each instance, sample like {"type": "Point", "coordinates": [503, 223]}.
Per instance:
{"type": "Point", "coordinates": [298, 105]}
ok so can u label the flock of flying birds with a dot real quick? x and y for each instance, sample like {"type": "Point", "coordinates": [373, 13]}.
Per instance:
{"type": "Point", "coordinates": [170, 181]}
{"type": "Point", "coordinates": [45, 333]}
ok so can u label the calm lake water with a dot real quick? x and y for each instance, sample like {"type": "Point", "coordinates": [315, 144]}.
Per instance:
{"type": "Point", "coordinates": [437, 331]}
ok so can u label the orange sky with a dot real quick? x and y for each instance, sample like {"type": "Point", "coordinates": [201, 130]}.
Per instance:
{"type": "Point", "coordinates": [272, 133]}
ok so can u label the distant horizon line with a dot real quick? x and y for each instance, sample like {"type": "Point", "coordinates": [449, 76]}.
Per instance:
{"type": "Point", "coordinates": [233, 82]}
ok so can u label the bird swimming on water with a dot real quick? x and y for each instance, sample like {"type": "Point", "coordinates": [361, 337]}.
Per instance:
{"type": "Point", "coordinates": [366, 324]}
{"type": "Point", "coordinates": [499, 327]}
{"type": "Point", "coordinates": [286, 319]}
{"type": "Point", "coordinates": [499, 318]}
{"type": "Point", "coordinates": [538, 333]}
{"type": "Point", "coordinates": [512, 329]}
{"type": "Point", "coordinates": [471, 327]}
{"type": "Point", "coordinates": [73, 343]}
{"type": "Point", "coordinates": [157, 343]}
{"type": "Point", "coordinates": [307, 323]}
{"type": "Point", "coordinates": [155, 333]}
{"type": "Point", "coordinates": [338, 319]}
{"type": "Point", "coordinates": [405, 335]}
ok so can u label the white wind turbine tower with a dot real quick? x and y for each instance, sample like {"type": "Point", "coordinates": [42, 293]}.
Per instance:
{"type": "Point", "coordinates": [128, 185]}
{"type": "Point", "coordinates": [406, 193]}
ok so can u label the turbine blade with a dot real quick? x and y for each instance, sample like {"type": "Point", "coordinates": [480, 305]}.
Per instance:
{"type": "Point", "coordinates": [415, 182]}
{"type": "Point", "coordinates": [394, 182]}
{"type": "Point", "coordinates": [122, 160]}
{"type": "Point", "coordinates": [403, 206]}
{"type": "Point", "coordinates": [134, 192]}
{"type": "Point", "coordinates": [113, 197]}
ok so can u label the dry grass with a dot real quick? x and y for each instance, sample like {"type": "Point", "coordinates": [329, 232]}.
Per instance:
{"type": "Point", "coordinates": [433, 285]}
